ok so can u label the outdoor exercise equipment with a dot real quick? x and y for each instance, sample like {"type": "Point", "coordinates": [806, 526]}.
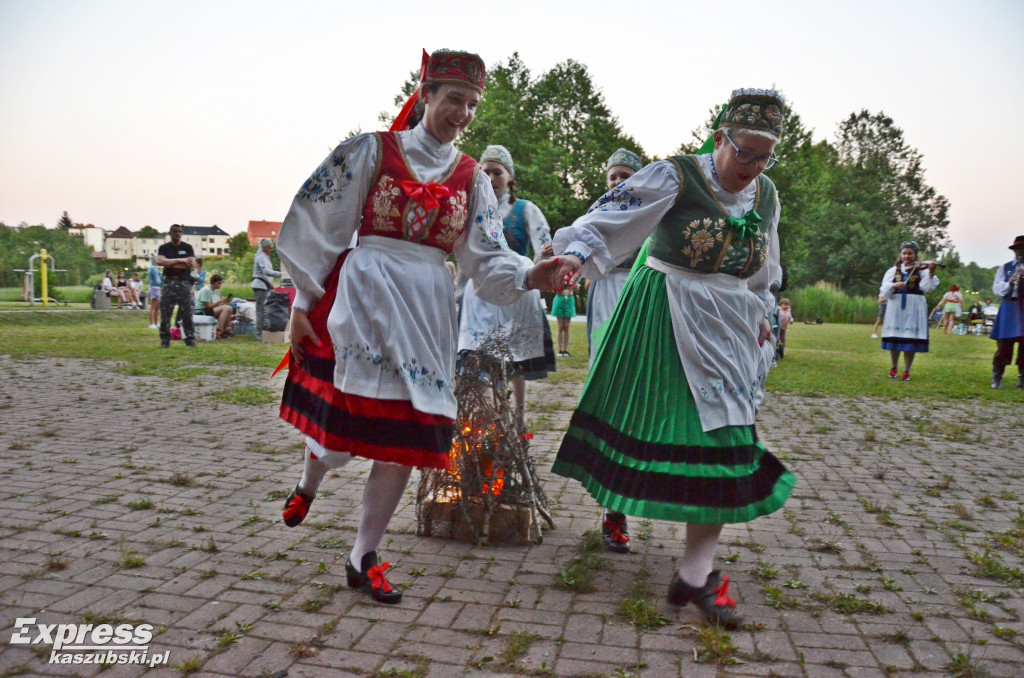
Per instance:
{"type": "Point", "coordinates": [44, 270]}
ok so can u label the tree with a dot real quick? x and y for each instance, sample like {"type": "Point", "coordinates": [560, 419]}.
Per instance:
{"type": "Point", "coordinates": [239, 245]}
{"type": "Point", "coordinates": [873, 145]}
{"type": "Point", "coordinates": [64, 223]}
{"type": "Point", "coordinates": [148, 232]}
{"type": "Point", "coordinates": [69, 253]}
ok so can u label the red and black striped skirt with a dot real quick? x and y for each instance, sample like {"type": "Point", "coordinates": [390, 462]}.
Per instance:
{"type": "Point", "coordinates": [383, 430]}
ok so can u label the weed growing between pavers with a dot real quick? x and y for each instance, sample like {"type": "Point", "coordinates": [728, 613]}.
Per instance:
{"type": "Point", "coordinates": [638, 607]}
{"type": "Point", "coordinates": [961, 665]}
{"type": "Point", "coordinates": [715, 646]}
{"type": "Point", "coordinates": [988, 565]}
{"type": "Point", "coordinates": [578, 574]}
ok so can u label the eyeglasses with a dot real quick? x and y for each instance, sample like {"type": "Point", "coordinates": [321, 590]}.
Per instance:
{"type": "Point", "coordinates": [765, 162]}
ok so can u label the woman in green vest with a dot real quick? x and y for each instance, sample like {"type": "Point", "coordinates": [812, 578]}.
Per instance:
{"type": "Point", "coordinates": [665, 426]}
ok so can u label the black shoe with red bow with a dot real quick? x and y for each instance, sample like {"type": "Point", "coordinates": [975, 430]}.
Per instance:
{"type": "Point", "coordinates": [296, 507]}
{"type": "Point", "coordinates": [370, 576]}
{"type": "Point", "coordinates": [712, 599]}
{"type": "Point", "coordinates": [615, 533]}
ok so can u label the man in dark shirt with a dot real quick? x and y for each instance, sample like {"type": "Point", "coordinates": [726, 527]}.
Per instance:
{"type": "Point", "coordinates": [178, 259]}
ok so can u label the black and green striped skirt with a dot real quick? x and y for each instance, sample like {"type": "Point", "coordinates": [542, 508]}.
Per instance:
{"type": "Point", "coordinates": [635, 441]}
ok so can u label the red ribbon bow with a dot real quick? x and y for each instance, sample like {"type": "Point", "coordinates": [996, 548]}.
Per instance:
{"type": "Point", "coordinates": [376, 575]}
{"type": "Point", "coordinates": [723, 599]}
{"type": "Point", "coordinates": [297, 507]}
{"type": "Point", "coordinates": [425, 194]}
{"type": "Point", "coordinates": [616, 532]}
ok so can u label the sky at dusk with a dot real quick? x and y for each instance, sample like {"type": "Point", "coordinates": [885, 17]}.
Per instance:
{"type": "Point", "coordinates": [151, 113]}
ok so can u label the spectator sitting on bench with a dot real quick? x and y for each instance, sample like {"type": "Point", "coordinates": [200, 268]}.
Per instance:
{"type": "Point", "coordinates": [209, 302]}
{"type": "Point", "coordinates": [119, 293]}
{"type": "Point", "coordinates": [135, 285]}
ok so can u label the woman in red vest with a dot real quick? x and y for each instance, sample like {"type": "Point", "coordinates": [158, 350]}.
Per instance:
{"type": "Point", "coordinates": [374, 327]}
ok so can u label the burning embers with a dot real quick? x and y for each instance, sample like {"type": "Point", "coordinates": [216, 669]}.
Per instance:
{"type": "Point", "coordinates": [490, 492]}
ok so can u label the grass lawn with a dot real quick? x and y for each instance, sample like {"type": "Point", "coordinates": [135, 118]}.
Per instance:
{"type": "Point", "coordinates": [835, 359]}
{"type": "Point", "coordinates": [831, 359]}
{"type": "Point", "coordinates": [125, 336]}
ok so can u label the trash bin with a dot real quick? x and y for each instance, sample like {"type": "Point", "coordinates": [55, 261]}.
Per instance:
{"type": "Point", "coordinates": [100, 300]}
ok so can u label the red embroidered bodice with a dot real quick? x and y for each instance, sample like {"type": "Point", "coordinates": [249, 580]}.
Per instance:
{"type": "Point", "coordinates": [399, 205]}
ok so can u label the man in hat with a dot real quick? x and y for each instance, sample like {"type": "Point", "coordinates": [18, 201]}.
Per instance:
{"type": "Point", "coordinates": [1009, 326]}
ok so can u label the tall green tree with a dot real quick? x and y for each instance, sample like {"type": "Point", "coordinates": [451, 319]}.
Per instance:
{"type": "Point", "coordinates": [64, 223]}
{"type": "Point", "coordinates": [148, 232]}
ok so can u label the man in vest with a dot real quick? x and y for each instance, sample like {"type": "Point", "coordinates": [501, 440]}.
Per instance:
{"type": "Point", "coordinates": [1009, 326]}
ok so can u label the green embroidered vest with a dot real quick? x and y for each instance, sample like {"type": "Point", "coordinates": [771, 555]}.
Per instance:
{"type": "Point", "coordinates": [695, 234]}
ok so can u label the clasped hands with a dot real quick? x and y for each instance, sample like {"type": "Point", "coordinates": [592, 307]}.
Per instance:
{"type": "Point", "coordinates": [555, 274]}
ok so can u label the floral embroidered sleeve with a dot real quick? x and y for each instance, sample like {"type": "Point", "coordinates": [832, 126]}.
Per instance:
{"type": "Point", "coordinates": [537, 226]}
{"type": "Point", "coordinates": [618, 223]}
{"type": "Point", "coordinates": [498, 273]}
{"type": "Point", "coordinates": [325, 214]}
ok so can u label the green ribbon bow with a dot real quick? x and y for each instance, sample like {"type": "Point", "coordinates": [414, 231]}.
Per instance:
{"type": "Point", "coordinates": [745, 227]}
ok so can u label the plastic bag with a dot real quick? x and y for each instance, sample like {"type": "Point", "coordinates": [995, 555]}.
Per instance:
{"type": "Point", "coordinates": [276, 310]}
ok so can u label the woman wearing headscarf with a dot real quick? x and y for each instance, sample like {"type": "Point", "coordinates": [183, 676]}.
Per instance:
{"type": "Point", "coordinates": [906, 314]}
{"type": "Point", "coordinates": [665, 425]}
{"type": "Point", "coordinates": [374, 327]}
{"type": "Point", "coordinates": [604, 293]}
{"type": "Point", "coordinates": [523, 325]}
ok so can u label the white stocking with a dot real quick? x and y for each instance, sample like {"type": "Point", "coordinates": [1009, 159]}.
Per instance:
{"type": "Point", "coordinates": [383, 491]}
{"type": "Point", "coordinates": [699, 556]}
{"type": "Point", "coordinates": [318, 460]}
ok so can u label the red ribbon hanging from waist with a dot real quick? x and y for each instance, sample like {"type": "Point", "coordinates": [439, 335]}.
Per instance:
{"type": "Point", "coordinates": [426, 195]}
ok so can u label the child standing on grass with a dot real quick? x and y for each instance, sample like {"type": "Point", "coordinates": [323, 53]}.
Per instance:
{"type": "Point", "coordinates": [564, 308]}
{"type": "Point", "coordinates": [785, 320]}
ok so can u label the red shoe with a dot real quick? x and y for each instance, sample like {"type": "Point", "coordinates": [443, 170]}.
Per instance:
{"type": "Point", "coordinates": [892, 373]}
{"type": "Point", "coordinates": [906, 376]}
{"type": "Point", "coordinates": [295, 508]}
{"type": "Point", "coordinates": [614, 533]}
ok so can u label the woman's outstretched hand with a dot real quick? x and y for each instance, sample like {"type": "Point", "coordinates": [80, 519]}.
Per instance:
{"type": "Point", "coordinates": [301, 329]}
{"type": "Point", "coordinates": [555, 274]}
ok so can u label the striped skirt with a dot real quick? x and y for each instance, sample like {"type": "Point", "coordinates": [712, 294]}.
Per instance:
{"type": "Point", "coordinates": [636, 442]}
{"type": "Point", "coordinates": [379, 429]}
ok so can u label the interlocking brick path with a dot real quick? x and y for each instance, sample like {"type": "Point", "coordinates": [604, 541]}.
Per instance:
{"type": "Point", "coordinates": [899, 553]}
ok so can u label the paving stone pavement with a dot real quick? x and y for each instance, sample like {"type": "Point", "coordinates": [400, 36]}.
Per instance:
{"type": "Point", "coordinates": [140, 500]}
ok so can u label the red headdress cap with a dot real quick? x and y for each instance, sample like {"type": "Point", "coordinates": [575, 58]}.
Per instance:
{"type": "Point", "coordinates": [460, 68]}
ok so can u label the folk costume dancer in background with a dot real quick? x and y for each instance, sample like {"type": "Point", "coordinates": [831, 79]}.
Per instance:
{"type": "Point", "coordinates": [906, 315]}
{"type": "Point", "coordinates": [665, 425]}
{"type": "Point", "coordinates": [1009, 325]}
{"type": "Point", "coordinates": [524, 324]}
{"type": "Point", "coordinates": [374, 327]}
{"type": "Point", "coordinates": [604, 293]}
{"type": "Point", "coordinates": [603, 296]}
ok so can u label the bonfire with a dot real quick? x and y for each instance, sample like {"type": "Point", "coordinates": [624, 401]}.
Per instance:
{"type": "Point", "coordinates": [490, 492]}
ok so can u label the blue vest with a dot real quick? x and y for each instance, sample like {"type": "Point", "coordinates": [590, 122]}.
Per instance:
{"type": "Point", "coordinates": [515, 230]}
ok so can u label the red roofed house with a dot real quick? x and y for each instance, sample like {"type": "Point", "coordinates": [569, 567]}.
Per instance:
{"type": "Point", "coordinates": [263, 229]}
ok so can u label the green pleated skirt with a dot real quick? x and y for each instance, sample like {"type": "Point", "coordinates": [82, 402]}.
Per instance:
{"type": "Point", "coordinates": [635, 441]}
